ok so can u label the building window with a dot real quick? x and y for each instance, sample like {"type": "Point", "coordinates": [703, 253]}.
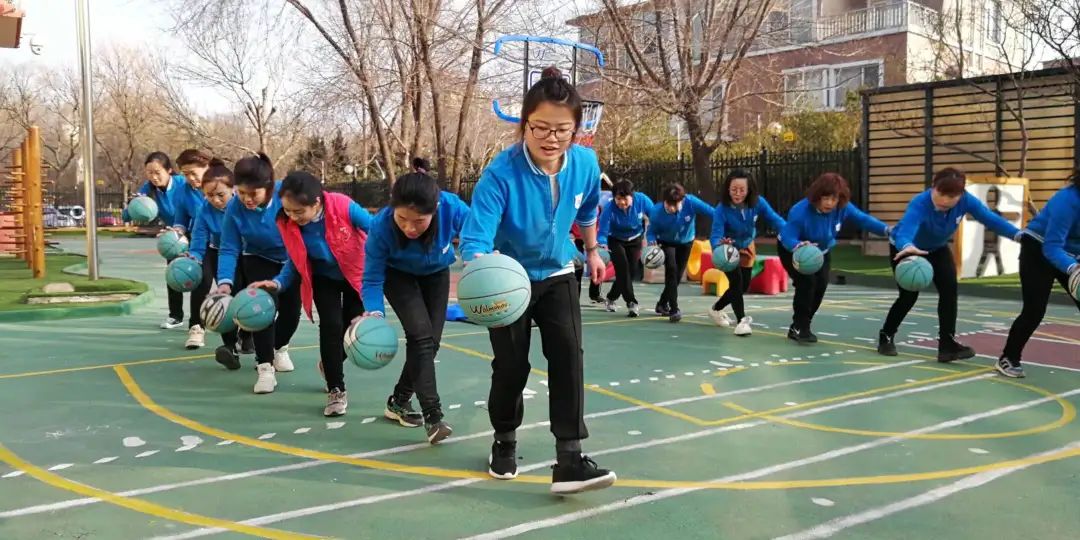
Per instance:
{"type": "Point", "coordinates": [993, 20]}
{"type": "Point", "coordinates": [827, 87]}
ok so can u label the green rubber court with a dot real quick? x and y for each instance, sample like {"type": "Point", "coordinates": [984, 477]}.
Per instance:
{"type": "Point", "coordinates": [112, 430]}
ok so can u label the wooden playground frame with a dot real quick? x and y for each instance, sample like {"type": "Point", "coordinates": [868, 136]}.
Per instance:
{"type": "Point", "coordinates": [22, 229]}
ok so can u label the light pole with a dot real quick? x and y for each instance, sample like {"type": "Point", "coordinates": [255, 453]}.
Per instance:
{"type": "Point", "coordinates": [86, 145]}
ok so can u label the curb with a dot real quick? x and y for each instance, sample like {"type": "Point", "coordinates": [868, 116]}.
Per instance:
{"type": "Point", "coordinates": [78, 312]}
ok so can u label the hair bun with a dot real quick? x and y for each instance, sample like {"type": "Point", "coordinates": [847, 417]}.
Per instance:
{"type": "Point", "coordinates": [265, 158]}
{"type": "Point", "coordinates": [215, 162]}
{"type": "Point", "coordinates": [421, 164]}
{"type": "Point", "coordinates": [551, 72]}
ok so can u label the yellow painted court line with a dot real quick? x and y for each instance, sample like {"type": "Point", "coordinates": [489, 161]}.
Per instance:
{"type": "Point", "coordinates": [599, 390]}
{"type": "Point", "coordinates": [145, 401]}
{"type": "Point", "coordinates": [1055, 336]}
{"type": "Point", "coordinates": [708, 389]}
{"type": "Point", "coordinates": [206, 356]}
{"type": "Point", "coordinates": [1068, 414]}
{"type": "Point", "coordinates": [139, 505]}
{"type": "Point", "coordinates": [730, 371]}
{"type": "Point", "coordinates": [844, 397]}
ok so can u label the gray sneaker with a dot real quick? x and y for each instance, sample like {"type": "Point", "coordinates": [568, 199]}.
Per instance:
{"type": "Point", "coordinates": [336, 403]}
{"type": "Point", "coordinates": [609, 306]}
{"type": "Point", "coordinates": [438, 431]}
{"type": "Point", "coordinates": [403, 414]}
{"type": "Point", "coordinates": [632, 309]}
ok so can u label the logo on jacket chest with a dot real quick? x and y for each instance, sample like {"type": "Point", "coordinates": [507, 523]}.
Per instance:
{"type": "Point", "coordinates": [838, 224]}
{"type": "Point", "coordinates": [688, 218]}
{"type": "Point", "coordinates": [577, 200]}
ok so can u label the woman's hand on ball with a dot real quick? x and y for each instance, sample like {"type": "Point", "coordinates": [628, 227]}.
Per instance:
{"type": "Point", "coordinates": [804, 243]}
{"type": "Point", "coordinates": [727, 241]}
{"type": "Point", "coordinates": [908, 251]}
{"type": "Point", "coordinates": [265, 284]}
{"type": "Point", "coordinates": [224, 289]}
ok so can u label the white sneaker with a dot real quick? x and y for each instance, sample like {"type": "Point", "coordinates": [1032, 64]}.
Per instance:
{"type": "Point", "coordinates": [196, 337]}
{"type": "Point", "coordinates": [743, 328]}
{"type": "Point", "coordinates": [282, 362]}
{"type": "Point", "coordinates": [336, 403]}
{"type": "Point", "coordinates": [720, 318]}
{"type": "Point", "coordinates": [266, 381]}
{"type": "Point", "coordinates": [171, 323]}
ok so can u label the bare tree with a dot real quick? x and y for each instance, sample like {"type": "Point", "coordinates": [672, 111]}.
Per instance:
{"type": "Point", "coordinates": [1056, 25]}
{"type": "Point", "coordinates": [126, 118]}
{"type": "Point", "coordinates": [993, 39]}
{"type": "Point", "coordinates": [679, 54]}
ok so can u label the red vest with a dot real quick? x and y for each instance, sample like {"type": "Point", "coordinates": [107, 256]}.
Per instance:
{"type": "Point", "coordinates": [346, 243]}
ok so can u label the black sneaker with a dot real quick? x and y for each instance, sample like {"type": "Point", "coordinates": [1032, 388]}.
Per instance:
{"type": "Point", "coordinates": [950, 350]}
{"type": "Point", "coordinates": [1009, 368]}
{"type": "Point", "coordinates": [675, 316]}
{"type": "Point", "coordinates": [502, 462]}
{"type": "Point", "coordinates": [437, 431]}
{"type": "Point", "coordinates": [802, 336]}
{"type": "Point", "coordinates": [402, 413]}
{"type": "Point", "coordinates": [663, 310]}
{"type": "Point", "coordinates": [792, 333]}
{"type": "Point", "coordinates": [596, 299]}
{"type": "Point", "coordinates": [227, 357]}
{"type": "Point", "coordinates": [885, 344]}
{"type": "Point", "coordinates": [631, 309]}
{"type": "Point", "coordinates": [578, 475]}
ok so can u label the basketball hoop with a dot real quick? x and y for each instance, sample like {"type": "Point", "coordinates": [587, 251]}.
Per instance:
{"type": "Point", "coordinates": [591, 111]}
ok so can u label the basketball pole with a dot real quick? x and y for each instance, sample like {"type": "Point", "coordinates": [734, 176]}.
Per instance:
{"type": "Point", "coordinates": [86, 147]}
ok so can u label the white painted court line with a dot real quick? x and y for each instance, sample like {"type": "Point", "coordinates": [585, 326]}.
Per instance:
{"type": "Point", "coordinates": [72, 503]}
{"type": "Point", "coordinates": [828, 334]}
{"type": "Point", "coordinates": [832, 454]}
{"type": "Point", "coordinates": [732, 358]}
{"type": "Point", "coordinates": [275, 518]}
{"type": "Point", "coordinates": [830, 528]}
{"type": "Point", "coordinates": [988, 357]}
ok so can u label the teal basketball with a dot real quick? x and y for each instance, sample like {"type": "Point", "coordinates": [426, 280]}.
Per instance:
{"type": "Point", "coordinates": [371, 343]}
{"type": "Point", "coordinates": [725, 257]}
{"type": "Point", "coordinates": [914, 273]}
{"type": "Point", "coordinates": [494, 291]}
{"type": "Point", "coordinates": [1074, 284]}
{"type": "Point", "coordinates": [653, 257]}
{"type": "Point", "coordinates": [217, 315]}
{"type": "Point", "coordinates": [172, 244]}
{"type": "Point", "coordinates": [605, 256]}
{"type": "Point", "coordinates": [253, 309]}
{"type": "Point", "coordinates": [807, 259]}
{"type": "Point", "coordinates": [142, 210]}
{"type": "Point", "coordinates": [183, 274]}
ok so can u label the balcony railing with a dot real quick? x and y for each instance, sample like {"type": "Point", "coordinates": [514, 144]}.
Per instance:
{"type": "Point", "coordinates": [901, 17]}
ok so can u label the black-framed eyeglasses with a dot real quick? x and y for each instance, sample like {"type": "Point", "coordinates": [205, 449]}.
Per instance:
{"type": "Point", "coordinates": [561, 134]}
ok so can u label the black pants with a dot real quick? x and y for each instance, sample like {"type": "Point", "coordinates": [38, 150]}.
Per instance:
{"type": "Point", "coordinates": [675, 258]}
{"type": "Point", "coordinates": [623, 255]}
{"type": "Point", "coordinates": [554, 306]}
{"type": "Point", "coordinates": [579, 273]}
{"type": "Point", "coordinates": [1037, 277]}
{"type": "Point", "coordinates": [277, 335]}
{"type": "Point", "coordinates": [941, 260]}
{"type": "Point", "coordinates": [338, 304]}
{"type": "Point", "coordinates": [809, 290]}
{"type": "Point", "coordinates": [195, 300]}
{"type": "Point", "coordinates": [420, 304]}
{"type": "Point", "coordinates": [738, 284]}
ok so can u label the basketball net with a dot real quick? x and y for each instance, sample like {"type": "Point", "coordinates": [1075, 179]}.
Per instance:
{"type": "Point", "coordinates": [591, 111]}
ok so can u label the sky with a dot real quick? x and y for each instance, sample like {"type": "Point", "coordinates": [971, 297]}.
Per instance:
{"type": "Point", "coordinates": [132, 23]}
